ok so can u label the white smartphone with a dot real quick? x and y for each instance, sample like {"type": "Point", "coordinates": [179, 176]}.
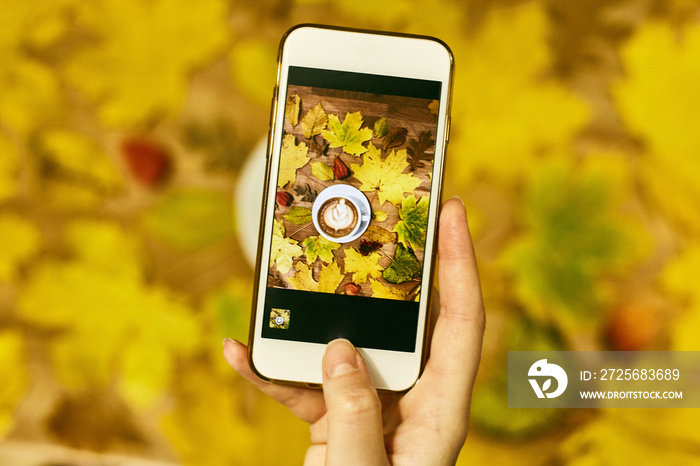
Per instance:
{"type": "Point", "coordinates": [359, 126]}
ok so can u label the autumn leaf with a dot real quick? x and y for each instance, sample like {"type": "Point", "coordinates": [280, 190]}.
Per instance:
{"type": "Point", "coordinates": [404, 267]}
{"type": "Point", "coordinates": [298, 215]}
{"type": "Point", "coordinates": [110, 70]}
{"type": "Point", "coordinates": [23, 239]}
{"type": "Point", "coordinates": [380, 128]}
{"type": "Point", "coordinates": [385, 292]}
{"type": "Point", "coordinates": [292, 109]}
{"type": "Point", "coordinates": [385, 176]}
{"type": "Point", "coordinates": [328, 281]}
{"type": "Point", "coordinates": [318, 246]}
{"type": "Point", "coordinates": [434, 107]}
{"type": "Point", "coordinates": [507, 57]}
{"type": "Point", "coordinates": [362, 266]}
{"type": "Point", "coordinates": [349, 135]}
{"type": "Point", "coordinates": [283, 250]}
{"type": "Point", "coordinates": [394, 138]}
{"type": "Point", "coordinates": [322, 171]}
{"type": "Point", "coordinates": [103, 262]}
{"type": "Point", "coordinates": [417, 150]}
{"type": "Point", "coordinates": [314, 122]}
{"type": "Point", "coordinates": [658, 101]}
{"type": "Point", "coordinates": [379, 215]}
{"type": "Point", "coordinates": [414, 221]}
{"type": "Point", "coordinates": [380, 235]}
{"type": "Point", "coordinates": [293, 157]}
{"type": "Point", "coordinates": [307, 194]}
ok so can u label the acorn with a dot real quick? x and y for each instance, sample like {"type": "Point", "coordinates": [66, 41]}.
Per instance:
{"type": "Point", "coordinates": [284, 199]}
{"type": "Point", "coordinates": [340, 170]}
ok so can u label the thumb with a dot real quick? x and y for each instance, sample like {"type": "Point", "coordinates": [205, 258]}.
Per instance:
{"type": "Point", "coordinates": [354, 414]}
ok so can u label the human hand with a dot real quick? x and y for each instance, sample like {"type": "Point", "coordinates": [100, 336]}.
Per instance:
{"type": "Point", "coordinates": [351, 424]}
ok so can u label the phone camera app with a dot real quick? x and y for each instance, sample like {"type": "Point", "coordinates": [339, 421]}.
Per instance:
{"type": "Point", "coordinates": [279, 318]}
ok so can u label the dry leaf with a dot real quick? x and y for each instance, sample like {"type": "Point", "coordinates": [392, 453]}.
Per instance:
{"type": "Point", "coordinates": [380, 235]}
{"type": "Point", "coordinates": [394, 138]}
{"type": "Point", "coordinates": [293, 108]}
{"type": "Point", "coordinates": [314, 122]}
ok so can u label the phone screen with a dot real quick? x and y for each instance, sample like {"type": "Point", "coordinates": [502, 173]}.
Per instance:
{"type": "Point", "coordinates": [351, 214]}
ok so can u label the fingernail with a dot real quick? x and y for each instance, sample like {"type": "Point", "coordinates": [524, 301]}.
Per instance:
{"type": "Point", "coordinates": [340, 358]}
{"type": "Point", "coordinates": [460, 200]}
{"type": "Point", "coordinates": [225, 340]}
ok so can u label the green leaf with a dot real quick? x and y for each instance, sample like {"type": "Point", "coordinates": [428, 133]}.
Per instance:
{"type": "Point", "coordinates": [298, 215]}
{"type": "Point", "coordinates": [414, 221]}
{"type": "Point", "coordinates": [318, 246]}
{"type": "Point", "coordinates": [322, 171]}
{"type": "Point", "coordinates": [405, 266]}
{"type": "Point", "coordinates": [380, 128]}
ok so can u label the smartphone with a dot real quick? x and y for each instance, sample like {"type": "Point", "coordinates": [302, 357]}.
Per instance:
{"type": "Point", "coordinates": [358, 130]}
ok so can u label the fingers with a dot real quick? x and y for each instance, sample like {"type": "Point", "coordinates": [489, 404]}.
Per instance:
{"type": "Point", "coordinates": [355, 434]}
{"type": "Point", "coordinates": [305, 403]}
{"type": "Point", "coordinates": [456, 344]}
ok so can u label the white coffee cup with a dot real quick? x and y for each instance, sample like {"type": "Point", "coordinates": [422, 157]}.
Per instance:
{"type": "Point", "coordinates": [341, 213]}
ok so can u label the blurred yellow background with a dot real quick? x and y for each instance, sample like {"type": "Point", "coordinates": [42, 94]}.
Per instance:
{"type": "Point", "coordinates": [124, 126]}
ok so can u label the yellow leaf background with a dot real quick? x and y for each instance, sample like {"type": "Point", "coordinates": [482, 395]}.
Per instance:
{"type": "Point", "coordinates": [574, 145]}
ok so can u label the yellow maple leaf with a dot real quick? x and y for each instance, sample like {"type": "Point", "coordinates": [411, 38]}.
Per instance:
{"type": "Point", "coordinates": [362, 266]}
{"type": "Point", "coordinates": [97, 302]}
{"type": "Point", "coordinates": [386, 176]}
{"type": "Point", "coordinates": [284, 250]}
{"type": "Point", "coordinates": [139, 68]}
{"type": "Point", "coordinates": [658, 101]}
{"type": "Point", "coordinates": [349, 135]}
{"type": "Point", "coordinates": [328, 280]}
{"type": "Point", "coordinates": [30, 91]}
{"type": "Point", "coordinates": [385, 292]}
{"type": "Point", "coordinates": [20, 240]}
{"type": "Point", "coordinates": [516, 115]}
{"type": "Point", "coordinates": [293, 157]}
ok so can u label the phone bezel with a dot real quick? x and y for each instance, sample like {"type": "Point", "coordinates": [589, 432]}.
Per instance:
{"type": "Point", "coordinates": [359, 51]}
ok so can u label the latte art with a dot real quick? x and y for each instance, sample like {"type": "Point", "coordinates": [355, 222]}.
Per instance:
{"type": "Point", "coordinates": [338, 217]}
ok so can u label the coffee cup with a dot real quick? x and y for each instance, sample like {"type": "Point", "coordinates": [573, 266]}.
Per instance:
{"type": "Point", "coordinates": [341, 213]}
